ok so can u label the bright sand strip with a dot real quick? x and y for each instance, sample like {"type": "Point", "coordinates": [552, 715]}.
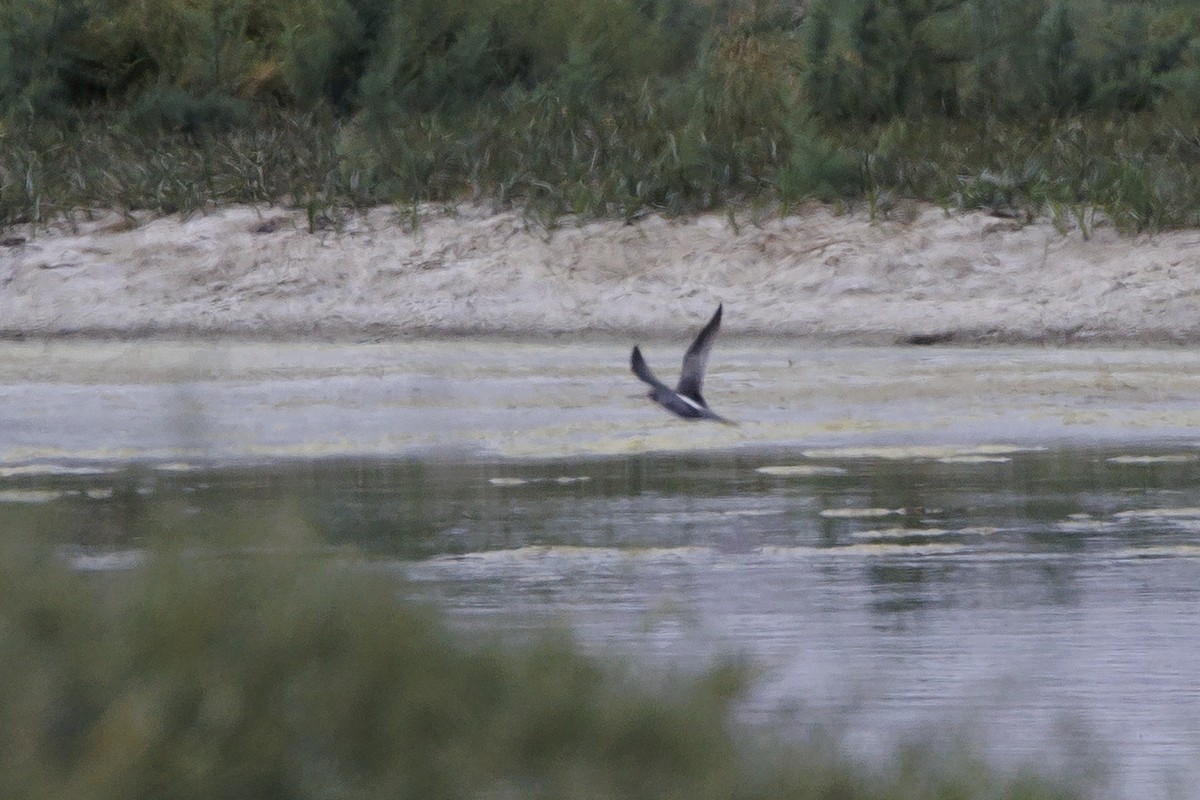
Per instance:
{"type": "Point", "coordinates": [258, 272]}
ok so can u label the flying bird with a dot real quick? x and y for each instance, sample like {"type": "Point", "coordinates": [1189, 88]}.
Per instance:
{"type": "Point", "coordinates": [685, 399]}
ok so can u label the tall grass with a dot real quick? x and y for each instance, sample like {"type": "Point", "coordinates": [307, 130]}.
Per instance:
{"type": "Point", "coordinates": [604, 108]}
{"type": "Point", "coordinates": [246, 662]}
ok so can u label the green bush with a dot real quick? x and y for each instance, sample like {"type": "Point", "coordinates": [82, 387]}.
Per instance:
{"type": "Point", "coordinates": [257, 665]}
{"type": "Point", "coordinates": [176, 110]}
{"type": "Point", "coordinates": [264, 677]}
{"type": "Point", "coordinates": [609, 108]}
{"type": "Point", "coordinates": [872, 59]}
{"type": "Point", "coordinates": [818, 169]}
{"type": "Point", "coordinates": [39, 57]}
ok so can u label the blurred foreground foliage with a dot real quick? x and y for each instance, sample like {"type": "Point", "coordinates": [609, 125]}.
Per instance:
{"type": "Point", "coordinates": [251, 665]}
{"type": "Point", "coordinates": [602, 107]}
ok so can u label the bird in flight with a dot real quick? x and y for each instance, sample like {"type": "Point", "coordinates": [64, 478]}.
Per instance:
{"type": "Point", "coordinates": [685, 399]}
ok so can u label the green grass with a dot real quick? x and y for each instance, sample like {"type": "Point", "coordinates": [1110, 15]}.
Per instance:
{"type": "Point", "coordinates": [1135, 171]}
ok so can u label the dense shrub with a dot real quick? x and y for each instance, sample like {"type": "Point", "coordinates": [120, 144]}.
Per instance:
{"type": "Point", "coordinates": [603, 108]}
{"type": "Point", "coordinates": [226, 668]}
{"type": "Point", "coordinates": [40, 56]}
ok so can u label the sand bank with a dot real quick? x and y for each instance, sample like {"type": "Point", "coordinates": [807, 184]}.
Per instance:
{"type": "Point", "coordinates": [925, 275]}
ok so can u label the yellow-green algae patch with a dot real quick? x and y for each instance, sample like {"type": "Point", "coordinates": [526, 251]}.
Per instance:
{"type": "Point", "coordinates": [916, 452]}
{"type": "Point", "coordinates": [1085, 523]}
{"type": "Point", "coordinates": [902, 533]}
{"type": "Point", "coordinates": [24, 470]}
{"type": "Point", "coordinates": [561, 480]}
{"type": "Point", "coordinates": [675, 517]}
{"type": "Point", "coordinates": [860, 513]}
{"type": "Point", "coordinates": [1156, 513]}
{"type": "Point", "coordinates": [1174, 458]}
{"type": "Point", "coordinates": [974, 460]}
{"type": "Point", "coordinates": [573, 554]}
{"type": "Point", "coordinates": [861, 549]}
{"type": "Point", "coordinates": [800, 470]}
{"type": "Point", "coordinates": [33, 496]}
{"type": "Point", "coordinates": [1158, 551]}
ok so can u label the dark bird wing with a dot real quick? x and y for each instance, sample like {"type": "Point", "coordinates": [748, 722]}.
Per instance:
{"type": "Point", "coordinates": [696, 358]}
{"type": "Point", "coordinates": [638, 365]}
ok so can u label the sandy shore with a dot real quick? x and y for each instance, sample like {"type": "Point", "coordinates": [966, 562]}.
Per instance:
{"type": "Point", "coordinates": [928, 276]}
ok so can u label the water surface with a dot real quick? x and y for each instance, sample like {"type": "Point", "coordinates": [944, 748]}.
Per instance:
{"type": "Point", "coordinates": [898, 540]}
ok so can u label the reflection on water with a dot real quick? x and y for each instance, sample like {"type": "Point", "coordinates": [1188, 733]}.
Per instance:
{"type": "Point", "coordinates": [1048, 598]}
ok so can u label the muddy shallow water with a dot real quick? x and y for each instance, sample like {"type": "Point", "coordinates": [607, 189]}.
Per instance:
{"type": "Point", "coordinates": [470, 398]}
{"type": "Point", "coordinates": [899, 540]}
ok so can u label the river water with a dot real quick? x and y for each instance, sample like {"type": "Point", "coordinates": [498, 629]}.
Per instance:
{"type": "Point", "coordinates": [900, 541]}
